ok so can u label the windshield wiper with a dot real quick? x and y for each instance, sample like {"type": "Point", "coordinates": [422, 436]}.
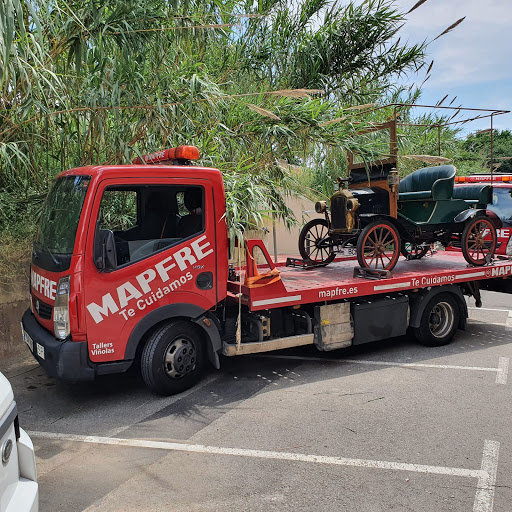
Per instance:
{"type": "Point", "coordinates": [47, 249]}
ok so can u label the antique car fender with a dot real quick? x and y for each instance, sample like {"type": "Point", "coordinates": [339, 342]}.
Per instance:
{"type": "Point", "coordinates": [468, 214]}
{"type": "Point", "coordinates": [370, 217]}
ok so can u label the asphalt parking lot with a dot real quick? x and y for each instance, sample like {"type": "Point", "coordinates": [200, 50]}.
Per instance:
{"type": "Point", "coordinates": [389, 426]}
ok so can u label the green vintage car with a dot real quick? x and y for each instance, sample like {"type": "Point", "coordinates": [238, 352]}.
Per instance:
{"type": "Point", "coordinates": [378, 217]}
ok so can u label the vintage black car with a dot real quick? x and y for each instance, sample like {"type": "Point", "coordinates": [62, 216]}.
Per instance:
{"type": "Point", "coordinates": [377, 217]}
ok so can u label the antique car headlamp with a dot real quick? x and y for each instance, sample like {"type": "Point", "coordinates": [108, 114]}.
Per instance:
{"type": "Point", "coordinates": [320, 206]}
{"type": "Point", "coordinates": [352, 204]}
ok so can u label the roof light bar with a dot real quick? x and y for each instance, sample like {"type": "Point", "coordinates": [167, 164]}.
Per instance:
{"type": "Point", "coordinates": [479, 178]}
{"type": "Point", "coordinates": [168, 155]}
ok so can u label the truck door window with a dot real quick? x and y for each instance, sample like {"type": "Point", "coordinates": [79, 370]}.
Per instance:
{"type": "Point", "coordinates": [118, 210]}
{"type": "Point", "coordinates": [502, 204]}
{"type": "Point", "coordinates": [149, 218]}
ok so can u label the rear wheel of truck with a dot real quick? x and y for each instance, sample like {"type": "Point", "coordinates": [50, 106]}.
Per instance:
{"type": "Point", "coordinates": [439, 321]}
{"type": "Point", "coordinates": [173, 358]}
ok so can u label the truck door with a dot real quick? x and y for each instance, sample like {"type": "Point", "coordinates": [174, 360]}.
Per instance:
{"type": "Point", "coordinates": [164, 238]}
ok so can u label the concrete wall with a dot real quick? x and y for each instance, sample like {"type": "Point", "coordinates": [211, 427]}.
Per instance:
{"type": "Point", "coordinates": [288, 239]}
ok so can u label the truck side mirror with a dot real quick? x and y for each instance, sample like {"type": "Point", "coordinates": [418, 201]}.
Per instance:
{"type": "Point", "coordinates": [105, 257]}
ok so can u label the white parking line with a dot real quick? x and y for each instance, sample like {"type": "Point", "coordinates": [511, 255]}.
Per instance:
{"type": "Point", "coordinates": [508, 324]}
{"type": "Point", "coordinates": [471, 308]}
{"type": "Point", "coordinates": [496, 315]}
{"type": "Point", "coordinates": [502, 375]}
{"type": "Point", "coordinates": [486, 475]}
{"type": "Point", "coordinates": [486, 486]}
{"type": "Point", "coordinates": [501, 370]}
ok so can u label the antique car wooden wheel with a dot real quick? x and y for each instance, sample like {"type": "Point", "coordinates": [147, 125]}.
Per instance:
{"type": "Point", "coordinates": [314, 242]}
{"type": "Point", "coordinates": [378, 246]}
{"type": "Point", "coordinates": [478, 250]}
{"type": "Point", "coordinates": [414, 251]}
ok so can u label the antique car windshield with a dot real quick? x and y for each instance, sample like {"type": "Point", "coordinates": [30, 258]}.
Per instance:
{"type": "Point", "coordinates": [59, 221]}
{"type": "Point", "coordinates": [502, 204]}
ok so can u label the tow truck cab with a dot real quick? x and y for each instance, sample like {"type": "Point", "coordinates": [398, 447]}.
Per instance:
{"type": "Point", "coordinates": [119, 249]}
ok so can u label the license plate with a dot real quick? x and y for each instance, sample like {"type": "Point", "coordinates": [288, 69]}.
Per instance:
{"type": "Point", "coordinates": [347, 251]}
{"type": "Point", "coordinates": [27, 339]}
{"type": "Point", "coordinates": [40, 350]}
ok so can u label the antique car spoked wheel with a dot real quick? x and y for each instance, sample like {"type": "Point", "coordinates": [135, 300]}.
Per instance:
{"type": "Point", "coordinates": [414, 251]}
{"type": "Point", "coordinates": [315, 244]}
{"type": "Point", "coordinates": [479, 241]}
{"type": "Point", "coordinates": [378, 247]}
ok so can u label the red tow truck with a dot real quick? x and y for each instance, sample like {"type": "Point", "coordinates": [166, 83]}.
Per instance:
{"type": "Point", "coordinates": [130, 265]}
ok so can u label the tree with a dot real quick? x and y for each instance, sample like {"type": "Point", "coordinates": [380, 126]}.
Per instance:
{"type": "Point", "coordinates": [479, 144]}
{"type": "Point", "coordinates": [250, 84]}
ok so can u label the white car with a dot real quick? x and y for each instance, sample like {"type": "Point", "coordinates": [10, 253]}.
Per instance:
{"type": "Point", "coordinates": [19, 491]}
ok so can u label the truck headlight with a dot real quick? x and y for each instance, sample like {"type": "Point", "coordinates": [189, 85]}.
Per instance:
{"type": "Point", "coordinates": [61, 309]}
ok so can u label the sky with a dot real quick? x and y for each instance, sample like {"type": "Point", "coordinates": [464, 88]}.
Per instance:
{"type": "Point", "coordinates": [473, 62]}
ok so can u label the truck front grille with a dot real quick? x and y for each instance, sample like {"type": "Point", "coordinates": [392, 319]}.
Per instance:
{"type": "Point", "coordinates": [42, 309]}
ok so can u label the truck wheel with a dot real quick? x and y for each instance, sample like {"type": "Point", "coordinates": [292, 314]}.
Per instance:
{"type": "Point", "coordinates": [439, 321]}
{"type": "Point", "coordinates": [173, 358]}
{"type": "Point", "coordinates": [378, 246]}
{"type": "Point", "coordinates": [479, 241]}
{"type": "Point", "coordinates": [314, 242]}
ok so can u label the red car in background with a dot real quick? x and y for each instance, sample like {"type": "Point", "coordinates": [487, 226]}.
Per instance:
{"type": "Point", "coordinates": [501, 205]}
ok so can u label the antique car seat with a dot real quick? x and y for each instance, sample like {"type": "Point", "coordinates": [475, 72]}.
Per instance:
{"type": "Point", "coordinates": [479, 195]}
{"type": "Point", "coordinates": [435, 183]}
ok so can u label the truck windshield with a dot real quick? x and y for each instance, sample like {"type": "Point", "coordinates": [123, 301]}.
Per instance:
{"type": "Point", "coordinates": [502, 204]}
{"type": "Point", "coordinates": [59, 221]}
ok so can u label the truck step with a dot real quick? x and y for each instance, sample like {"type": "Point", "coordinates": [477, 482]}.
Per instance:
{"type": "Point", "coordinates": [266, 346]}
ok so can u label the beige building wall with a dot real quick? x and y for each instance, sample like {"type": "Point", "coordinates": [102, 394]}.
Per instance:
{"type": "Point", "coordinates": [287, 240]}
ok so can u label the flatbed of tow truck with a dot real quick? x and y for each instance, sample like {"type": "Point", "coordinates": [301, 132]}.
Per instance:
{"type": "Point", "coordinates": [298, 286]}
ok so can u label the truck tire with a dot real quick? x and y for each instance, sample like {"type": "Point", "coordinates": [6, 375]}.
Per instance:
{"type": "Point", "coordinates": [439, 321]}
{"type": "Point", "coordinates": [173, 358]}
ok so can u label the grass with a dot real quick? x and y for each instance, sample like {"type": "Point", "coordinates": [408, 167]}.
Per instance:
{"type": "Point", "coordinates": [14, 266]}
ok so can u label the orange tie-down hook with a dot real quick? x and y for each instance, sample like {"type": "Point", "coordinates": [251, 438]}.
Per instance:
{"type": "Point", "coordinates": [253, 279]}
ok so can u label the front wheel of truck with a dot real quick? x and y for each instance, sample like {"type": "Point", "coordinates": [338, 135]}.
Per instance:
{"type": "Point", "coordinates": [173, 358]}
